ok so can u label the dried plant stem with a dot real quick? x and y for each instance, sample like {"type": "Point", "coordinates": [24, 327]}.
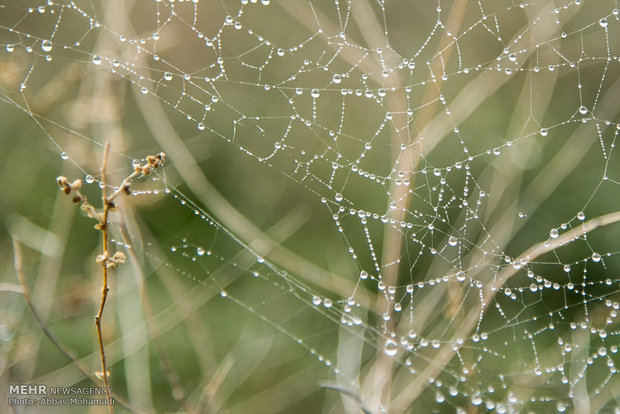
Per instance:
{"type": "Point", "coordinates": [106, 260]}
{"type": "Point", "coordinates": [104, 265]}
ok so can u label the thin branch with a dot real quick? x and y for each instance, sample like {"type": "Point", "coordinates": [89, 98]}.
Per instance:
{"type": "Point", "coordinates": [104, 265]}
{"type": "Point", "coordinates": [107, 261]}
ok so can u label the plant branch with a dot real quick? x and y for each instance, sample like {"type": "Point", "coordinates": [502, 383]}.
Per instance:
{"type": "Point", "coordinates": [107, 262]}
{"type": "Point", "coordinates": [104, 265]}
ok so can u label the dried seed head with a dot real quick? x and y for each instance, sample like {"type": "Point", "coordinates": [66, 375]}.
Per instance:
{"type": "Point", "coordinates": [64, 184]}
{"type": "Point", "coordinates": [126, 189]}
{"type": "Point", "coordinates": [119, 257]}
{"type": "Point", "coordinates": [76, 184]}
{"type": "Point", "coordinates": [76, 199]}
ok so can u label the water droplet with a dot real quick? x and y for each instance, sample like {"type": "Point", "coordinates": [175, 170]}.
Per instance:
{"type": "Point", "coordinates": [337, 78]}
{"type": "Point", "coordinates": [144, 90]}
{"type": "Point", "coordinates": [315, 93]}
{"type": "Point", "coordinates": [476, 399]}
{"type": "Point", "coordinates": [10, 48]}
{"type": "Point", "coordinates": [544, 132]}
{"type": "Point", "coordinates": [603, 22]}
{"type": "Point", "coordinates": [554, 233]}
{"type": "Point", "coordinates": [363, 274]}
{"type": "Point", "coordinates": [390, 348]}
{"type": "Point", "coordinates": [200, 251]}
{"type": "Point", "coordinates": [46, 46]}
{"type": "Point", "coordinates": [596, 257]}
{"type": "Point", "coordinates": [168, 76]}
{"type": "Point", "coordinates": [201, 126]}
{"type": "Point", "coordinates": [452, 241]}
{"type": "Point", "coordinates": [223, 293]}
{"type": "Point", "coordinates": [89, 179]}
{"type": "Point", "coordinates": [460, 276]}
{"type": "Point", "coordinates": [97, 60]}
{"type": "Point", "coordinates": [581, 216]}
{"type": "Point", "coordinates": [64, 155]}
{"type": "Point", "coordinates": [338, 197]}
{"type": "Point", "coordinates": [583, 110]}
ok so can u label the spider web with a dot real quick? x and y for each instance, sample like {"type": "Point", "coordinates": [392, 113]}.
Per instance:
{"type": "Point", "coordinates": [458, 158]}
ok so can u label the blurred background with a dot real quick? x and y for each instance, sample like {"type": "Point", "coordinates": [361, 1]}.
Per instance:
{"type": "Point", "coordinates": [365, 206]}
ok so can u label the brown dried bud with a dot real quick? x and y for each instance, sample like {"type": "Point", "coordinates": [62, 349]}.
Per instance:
{"type": "Point", "coordinates": [146, 170]}
{"type": "Point", "coordinates": [76, 199]}
{"type": "Point", "coordinates": [64, 184]}
{"type": "Point", "coordinates": [154, 161]}
{"type": "Point", "coordinates": [126, 189]}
